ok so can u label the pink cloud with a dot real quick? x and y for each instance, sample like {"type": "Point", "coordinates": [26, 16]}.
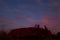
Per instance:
{"type": "Point", "coordinates": [10, 24]}
{"type": "Point", "coordinates": [52, 21]}
{"type": "Point", "coordinates": [7, 22]}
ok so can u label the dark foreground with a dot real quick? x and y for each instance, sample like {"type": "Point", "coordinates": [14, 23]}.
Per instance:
{"type": "Point", "coordinates": [32, 33]}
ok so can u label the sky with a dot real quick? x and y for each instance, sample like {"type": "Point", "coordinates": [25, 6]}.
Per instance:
{"type": "Point", "coordinates": [27, 13]}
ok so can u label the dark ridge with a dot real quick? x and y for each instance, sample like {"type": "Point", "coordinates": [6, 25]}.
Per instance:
{"type": "Point", "coordinates": [31, 33]}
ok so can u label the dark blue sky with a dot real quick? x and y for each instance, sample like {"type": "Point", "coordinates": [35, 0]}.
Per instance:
{"type": "Point", "coordinates": [22, 13]}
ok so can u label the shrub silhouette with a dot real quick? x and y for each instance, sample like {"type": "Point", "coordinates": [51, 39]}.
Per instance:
{"type": "Point", "coordinates": [31, 33]}
{"type": "Point", "coordinates": [3, 35]}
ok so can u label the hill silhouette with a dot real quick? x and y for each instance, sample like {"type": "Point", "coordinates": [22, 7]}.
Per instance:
{"type": "Point", "coordinates": [30, 33]}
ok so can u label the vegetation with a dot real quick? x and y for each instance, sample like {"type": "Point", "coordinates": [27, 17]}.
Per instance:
{"type": "Point", "coordinates": [34, 33]}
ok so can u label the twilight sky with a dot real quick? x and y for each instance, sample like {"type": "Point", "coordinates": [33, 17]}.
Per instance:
{"type": "Point", "coordinates": [26, 13]}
